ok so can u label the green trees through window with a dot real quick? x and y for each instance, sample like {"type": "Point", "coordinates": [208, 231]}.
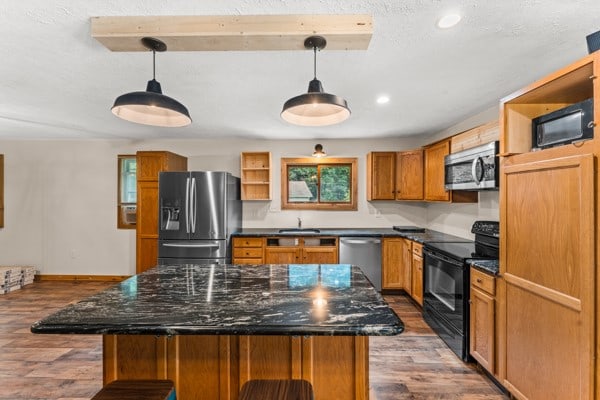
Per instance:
{"type": "Point", "coordinates": [324, 184]}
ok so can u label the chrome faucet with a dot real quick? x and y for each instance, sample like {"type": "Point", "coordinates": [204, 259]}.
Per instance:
{"type": "Point", "coordinates": [299, 223]}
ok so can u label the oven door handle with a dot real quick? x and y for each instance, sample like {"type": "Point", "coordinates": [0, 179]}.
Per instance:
{"type": "Point", "coordinates": [443, 258]}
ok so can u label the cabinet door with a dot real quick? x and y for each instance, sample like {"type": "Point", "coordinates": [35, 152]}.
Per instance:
{"type": "Point", "coordinates": [482, 329]}
{"type": "Point", "coordinates": [381, 175]}
{"type": "Point", "coordinates": [319, 255]}
{"type": "Point", "coordinates": [396, 264]}
{"type": "Point", "coordinates": [147, 225]}
{"type": "Point", "coordinates": [435, 171]}
{"type": "Point", "coordinates": [282, 255]}
{"type": "Point", "coordinates": [548, 265]}
{"type": "Point", "coordinates": [417, 279]}
{"type": "Point", "coordinates": [409, 175]}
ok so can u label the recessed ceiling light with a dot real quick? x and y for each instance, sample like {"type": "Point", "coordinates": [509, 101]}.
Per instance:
{"type": "Point", "coordinates": [448, 21]}
{"type": "Point", "coordinates": [383, 99]}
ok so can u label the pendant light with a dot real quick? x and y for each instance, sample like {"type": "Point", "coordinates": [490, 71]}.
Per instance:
{"type": "Point", "coordinates": [315, 108]}
{"type": "Point", "coordinates": [152, 107]}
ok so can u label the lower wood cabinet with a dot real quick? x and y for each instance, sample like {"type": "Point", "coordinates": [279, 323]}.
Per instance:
{"type": "Point", "coordinates": [305, 250]}
{"type": "Point", "coordinates": [215, 367]}
{"type": "Point", "coordinates": [396, 264]}
{"type": "Point", "coordinates": [402, 267]}
{"type": "Point", "coordinates": [417, 273]}
{"type": "Point", "coordinates": [248, 250]}
{"type": "Point", "coordinates": [482, 330]}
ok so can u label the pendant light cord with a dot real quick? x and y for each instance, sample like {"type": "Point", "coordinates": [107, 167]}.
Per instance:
{"type": "Point", "coordinates": [315, 62]}
{"type": "Point", "coordinates": [153, 64]}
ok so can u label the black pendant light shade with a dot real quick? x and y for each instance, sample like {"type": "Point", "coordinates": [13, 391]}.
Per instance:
{"type": "Point", "coordinates": [315, 108]}
{"type": "Point", "coordinates": [151, 107]}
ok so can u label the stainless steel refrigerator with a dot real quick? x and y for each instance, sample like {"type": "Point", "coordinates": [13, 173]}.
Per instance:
{"type": "Point", "coordinates": [198, 212]}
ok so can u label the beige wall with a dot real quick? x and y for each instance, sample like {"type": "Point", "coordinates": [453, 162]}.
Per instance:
{"type": "Point", "coordinates": [60, 198]}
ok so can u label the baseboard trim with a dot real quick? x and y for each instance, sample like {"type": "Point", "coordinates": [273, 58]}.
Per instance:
{"type": "Point", "coordinates": [99, 278]}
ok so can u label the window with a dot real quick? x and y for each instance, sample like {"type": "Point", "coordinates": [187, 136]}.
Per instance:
{"type": "Point", "coordinates": [127, 192]}
{"type": "Point", "coordinates": [324, 184]}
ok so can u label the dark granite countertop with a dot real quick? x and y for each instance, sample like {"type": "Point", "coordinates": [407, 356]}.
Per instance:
{"type": "Point", "coordinates": [295, 299]}
{"type": "Point", "coordinates": [491, 267]}
{"type": "Point", "coordinates": [421, 237]}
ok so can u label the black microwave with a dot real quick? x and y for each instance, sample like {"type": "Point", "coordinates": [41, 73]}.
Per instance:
{"type": "Point", "coordinates": [564, 126]}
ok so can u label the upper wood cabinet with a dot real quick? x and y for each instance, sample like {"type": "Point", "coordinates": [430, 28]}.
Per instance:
{"type": "Point", "coordinates": [435, 175]}
{"type": "Point", "coordinates": [478, 136]}
{"type": "Point", "coordinates": [149, 164]}
{"type": "Point", "coordinates": [434, 171]}
{"type": "Point", "coordinates": [395, 175]}
{"type": "Point", "coordinates": [381, 175]}
{"type": "Point", "coordinates": [409, 175]}
{"type": "Point", "coordinates": [256, 175]}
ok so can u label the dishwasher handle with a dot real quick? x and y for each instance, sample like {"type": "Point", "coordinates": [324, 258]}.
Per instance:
{"type": "Point", "coordinates": [360, 241]}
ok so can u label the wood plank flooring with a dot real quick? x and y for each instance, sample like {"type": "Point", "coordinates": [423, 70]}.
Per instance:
{"type": "Point", "coordinates": [415, 365]}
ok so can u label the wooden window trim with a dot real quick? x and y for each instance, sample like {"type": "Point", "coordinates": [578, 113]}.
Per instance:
{"type": "Point", "coordinates": [121, 223]}
{"type": "Point", "coordinates": [351, 206]}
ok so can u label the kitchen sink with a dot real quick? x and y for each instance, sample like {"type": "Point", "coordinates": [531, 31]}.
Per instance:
{"type": "Point", "coordinates": [299, 230]}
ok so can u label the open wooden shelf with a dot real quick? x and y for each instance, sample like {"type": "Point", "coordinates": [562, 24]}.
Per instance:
{"type": "Point", "coordinates": [256, 175]}
{"type": "Point", "coordinates": [567, 86]}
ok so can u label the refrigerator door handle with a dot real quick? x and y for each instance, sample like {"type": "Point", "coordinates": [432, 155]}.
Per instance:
{"type": "Point", "coordinates": [187, 205]}
{"type": "Point", "coordinates": [196, 245]}
{"type": "Point", "coordinates": [193, 205]}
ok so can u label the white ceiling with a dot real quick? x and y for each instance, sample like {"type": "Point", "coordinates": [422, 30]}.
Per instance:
{"type": "Point", "coordinates": [56, 81]}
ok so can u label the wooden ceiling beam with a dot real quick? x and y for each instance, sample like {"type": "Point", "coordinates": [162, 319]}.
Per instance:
{"type": "Point", "coordinates": [233, 33]}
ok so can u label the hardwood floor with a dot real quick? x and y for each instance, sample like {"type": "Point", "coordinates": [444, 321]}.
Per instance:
{"type": "Point", "coordinates": [415, 365]}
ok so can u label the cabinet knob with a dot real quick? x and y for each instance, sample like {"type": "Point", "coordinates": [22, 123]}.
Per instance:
{"type": "Point", "coordinates": [479, 280]}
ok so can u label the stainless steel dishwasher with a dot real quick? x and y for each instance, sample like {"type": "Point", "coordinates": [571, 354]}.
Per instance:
{"type": "Point", "coordinates": [364, 252]}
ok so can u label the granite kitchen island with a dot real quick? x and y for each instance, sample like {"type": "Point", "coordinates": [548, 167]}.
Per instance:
{"type": "Point", "coordinates": [211, 328]}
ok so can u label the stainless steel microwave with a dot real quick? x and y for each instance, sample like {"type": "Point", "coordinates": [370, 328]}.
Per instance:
{"type": "Point", "coordinates": [564, 126]}
{"type": "Point", "coordinates": [473, 169]}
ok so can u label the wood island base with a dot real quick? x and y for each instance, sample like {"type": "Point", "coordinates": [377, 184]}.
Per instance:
{"type": "Point", "coordinates": [213, 367]}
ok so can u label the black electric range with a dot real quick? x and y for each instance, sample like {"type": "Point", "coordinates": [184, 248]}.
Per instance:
{"type": "Point", "coordinates": [446, 283]}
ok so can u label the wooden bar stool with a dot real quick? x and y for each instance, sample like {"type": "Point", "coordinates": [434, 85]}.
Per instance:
{"type": "Point", "coordinates": [137, 390]}
{"type": "Point", "coordinates": [277, 389]}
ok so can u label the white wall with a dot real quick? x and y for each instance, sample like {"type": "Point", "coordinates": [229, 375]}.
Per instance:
{"type": "Point", "coordinates": [60, 197]}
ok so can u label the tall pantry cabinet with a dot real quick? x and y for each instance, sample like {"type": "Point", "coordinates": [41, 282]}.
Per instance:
{"type": "Point", "coordinates": [547, 291]}
{"type": "Point", "coordinates": [149, 164]}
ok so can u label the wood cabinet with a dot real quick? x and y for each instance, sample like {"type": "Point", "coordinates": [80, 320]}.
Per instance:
{"type": "Point", "coordinates": [409, 175]}
{"type": "Point", "coordinates": [215, 367]}
{"type": "Point", "coordinates": [395, 175]}
{"type": "Point", "coordinates": [381, 175]}
{"type": "Point", "coordinates": [397, 264]}
{"type": "Point", "coordinates": [435, 174]}
{"type": "Point", "coordinates": [256, 175]}
{"type": "Point", "coordinates": [305, 250]}
{"type": "Point", "coordinates": [417, 273]}
{"type": "Point", "coordinates": [1, 190]}
{"type": "Point", "coordinates": [477, 136]}
{"type": "Point", "coordinates": [482, 330]}
{"type": "Point", "coordinates": [149, 164]}
{"type": "Point", "coordinates": [248, 250]}
{"type": "Point", "coordinates": [548, 295]}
